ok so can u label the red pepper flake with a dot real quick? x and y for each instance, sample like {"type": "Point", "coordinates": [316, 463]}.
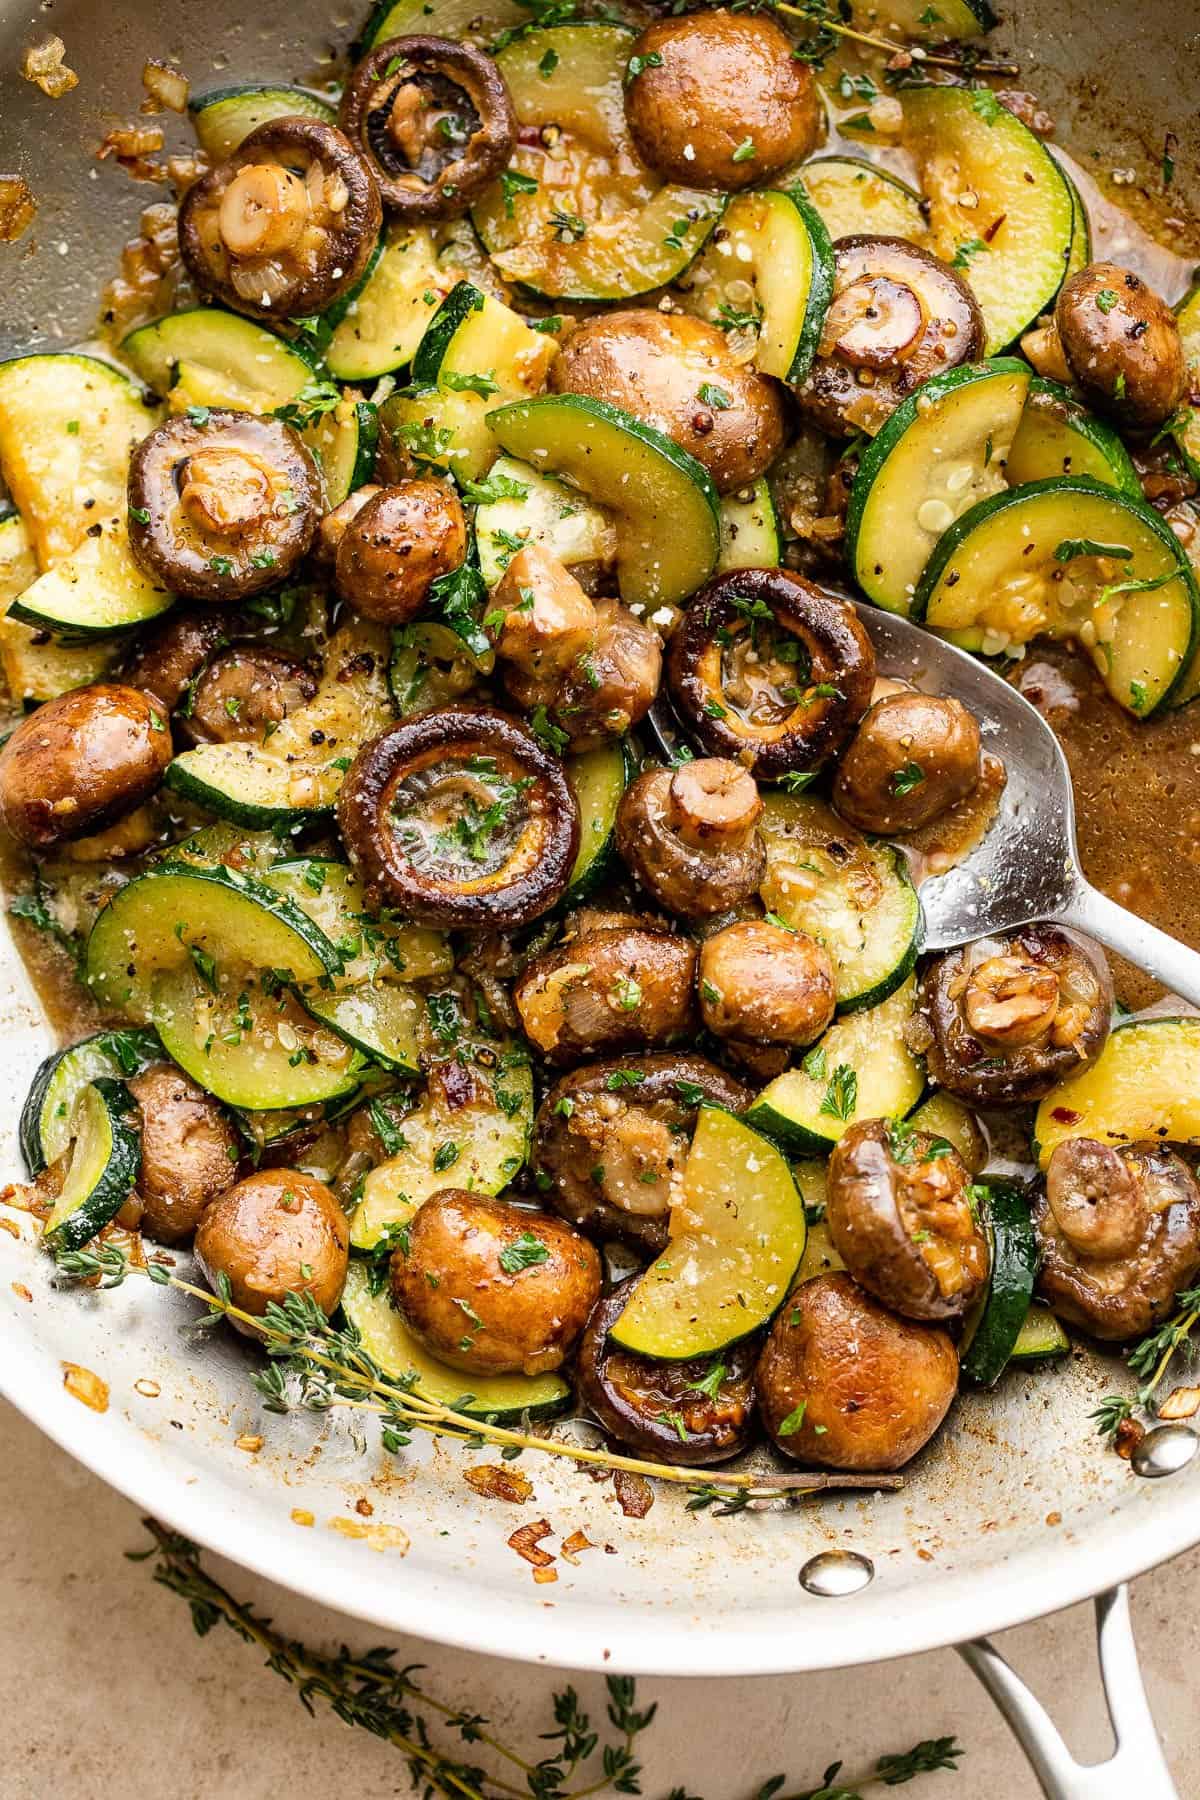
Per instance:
{"type": "Point", "coordinates": [495, 1482]}
{"type": "Point", "coordinates": [525, 1540]}
{"type": "Point", "coordinates": [1062, 1115]}
{"type": "Point", "coordinates": [635, 1496]}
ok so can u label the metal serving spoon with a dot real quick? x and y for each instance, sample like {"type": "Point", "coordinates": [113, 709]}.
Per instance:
{"type": "Point", "coordinates": [1027, 867]}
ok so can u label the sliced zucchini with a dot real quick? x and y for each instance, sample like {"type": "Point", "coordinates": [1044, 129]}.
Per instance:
{"type": "Point", "coordinates": [252, 851]}
{"type": "Point", "coordinates": [1058, 436]}
{"type": "Point", "coordinates": [855, 198]}
{"type": "Point", "coordinates": [105, 1163]}
{"type": "Point", "coordinates": [528, 508]}
{"type": "Point", "coordinates": [207, 357]}
{"type": "Point", "coordinates": [96, 591]}
{"type": "Point", "coordinates": [387, 318]}
{"type": "Point", "coordinates": [595, 224]}
{"type": "Point", "coordinates": [371, 946]}
{"type": "Point", "coordinates": [37, 669]}
{"type": "Point", "coordinates": [1186, 424]}
{"type": "Point", "coordinates": [381, 1020]}
{"type": "Point", "coordinates": [180, 915]}
{"type": "Point", "coordinates": [296, 775]}
{"type": "Point", "coordinates": [943, 449]}
{"type": "Point", "coordinates": [1081, 230]}
{"type": "Point", "coordinates": [861, 1069]}
{"type": "Point", "coordinates": [999, 208]}
{"type": "Point", "coordinates": [750, 534]}
{"type": "Point", "coordinates": [820, 1256]}
{"type": "Point", "coordinates": [430, 666]}
{"type": "Point", "coordinates": [775, 245]}
{"type": "Point", "coordinates": [387, 1340]}
{"type": "Point", "coordinates": [736, 1240]}
{"type": "Point", "coordinates": [993, 1326]}
{"type": "Point", "coordinates": [598, 778]}
{"type": "Point", "coordinates": [479, 21]}
{"type": "Point", "coordinates": [222, 117]}
{"type": "Point", "coordinates": [480, 1146]}
{"type": "Point", "coordinates": [1144, 1084]}
{"type": "Point", "coordinates": [852, 894]}
{"type": "Point", "coordinates": [1069, 559]}
{"type": "Point", "coordinates": [46, 1117]}
{"type": "Point", "coordinates": [639, 474]}
{"type": "Point", "coordinates": [1040, 1337]}
{"type": "Point", "coordinates": [67, 426]}
{"type": "Point", "coordinates": [343, 442]}
{"type": "Point", "coordinates": [941, 1115]}
{"type": "Point", "coordinates": [941, 22]}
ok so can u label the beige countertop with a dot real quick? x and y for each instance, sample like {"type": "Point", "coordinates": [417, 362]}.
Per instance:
{"type": "Point", "coordinates": [111, 1696]}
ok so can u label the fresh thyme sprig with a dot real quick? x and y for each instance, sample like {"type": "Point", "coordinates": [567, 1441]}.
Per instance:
{"type": "Point", "coordinates": [318, 1365]}
{"type": "Point", "coordinates": [369, 1691]}
{"type": "Point", "coordinates": [820, 14]}
{"type": "Point", "coordinates": [1151, 1357]}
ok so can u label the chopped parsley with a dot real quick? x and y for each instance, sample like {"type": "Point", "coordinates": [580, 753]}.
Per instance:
{"type": "Point", "coordinates": [906, 779]}
{"type": "Point", "coordinates": [524, 1252]}
{"type": "Point", "coordinates": [841, 1095]}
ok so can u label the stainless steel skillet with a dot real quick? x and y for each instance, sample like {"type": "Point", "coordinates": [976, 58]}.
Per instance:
{"type": "Point", "coordinates": [1016, 1512]}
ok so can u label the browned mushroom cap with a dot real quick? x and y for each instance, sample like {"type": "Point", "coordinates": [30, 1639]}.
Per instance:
{"type": "Point", "coordinates": [900, 1217]}
{"type": "Point", "coordinates": [335, 524]}
{"type": "Point", "coordinates": [1122, 344]}
{"type": "Point", "coordinates": [763, 984]}
{"type": "Point", "coordinates": [856, 1386]}
{"type": "Point", "coordinates": [285, 224]}
{"type": "Point", "coordinates": [80, 762]}
{"type": "Point", "coordinates": [1119, 1230]}
{"type": "Point", "coordinates": [770, 670]}
{"type": "Point", "coordinates": [1001, 1021]}
{"type": "Point", "coordinates": [692, 1413]}
{"type": "Point", "coordinates": [689, 835]}
{"type": "Point", "coordinates": [678, 374]}
{"type": "Point", "coordinates": [189, 1152]}
{"type": "Point", "coordinates": [460, 817]}
{"type": "Point", "coordinates": [898, 315]}
{"type": "Point", "coordinates": [434, 120]}
{"type": "Point", "coordinates": [223, 509]}
{"type": "Point", "coordinates": [612, 1140]}
{"type": "Point", "coordinates": [494, 1288]}
{"type": "Point", "coordinates": [244, 693]}
{"type": "Point", "coordinates": [612, 685]}
{"type": "Point", "coordinates": [276, 1233]}
{"type": "Point", "coordinates": [607, 990]}
{"type": "Point", "coordinates": [396, 546]}
{"type": "Point", "coordinates": [912, 756]}
{"type": "Point", "coordinates": [720, 100]}
{"type": "Point", "coordinates": [168, 657]}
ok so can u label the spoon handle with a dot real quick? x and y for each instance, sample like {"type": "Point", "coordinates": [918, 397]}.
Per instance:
{"type": "Point", "coordinates": [1164, 957]}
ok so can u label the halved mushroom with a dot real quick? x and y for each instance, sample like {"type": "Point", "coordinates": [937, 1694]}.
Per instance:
{"type": "Point", "coordinates": [1119, 1230]}
{"type": "Point", "coordinates": [898, 315]}
{"type": "Point", "coordinates": [221, 509]}
{"type": "Point", "coordinates": [460, 817]}
{"type": "Point", "coordinates": [901, 1220]}
{"type": "Point", "coordinates": [393, 548]}
{"type": "Point", "coordinates": [771, 671]}
{"type": "Point", "coordinates": [1122, 345]}
{"type": "Point", "coordinates": [1001, 1021]}
{"type": "Point", "coordinates": [189, 1152]}
{"type": "Point", "coordinates": [434, 120]}
{"type": "Point", "coordinates": [80, 762]}
{"type": "Point", "coordinates": [545, 622]}
{"type": "Point", "coordinates": [612, 1139]}
{"type": "Point", "coordinates": [846, 1384]}
{"type": "Point", "coordinates": [243, 694]}
{"type": "Point", "coordinates": [760, 983]}
{"type": "Point", "coordinates": [689, 835]}
{"type": "Point", "coordinates": [611, 687]}
{"type": "Point", "coordinates": [608, 990]}
{"type": "Point", "coordinates": [286, 224]}
{"type": "Point", "coordinates": [693, 1413]}
{"type": "Point", "coordinates": [911, 758]}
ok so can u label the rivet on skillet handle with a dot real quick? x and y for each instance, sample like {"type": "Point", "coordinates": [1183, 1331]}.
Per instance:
{"type": "Point", "coordinates": [1136, 1766]}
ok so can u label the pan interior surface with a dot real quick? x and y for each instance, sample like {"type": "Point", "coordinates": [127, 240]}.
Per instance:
{"type": "Point", "coordinates": [1016, 1510]}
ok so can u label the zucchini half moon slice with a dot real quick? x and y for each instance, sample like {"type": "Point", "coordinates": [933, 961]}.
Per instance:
{"type": "Point", "coordinates": [1186, 423]}
{"type": "Point", "coordinates": [1144, 1084]}
{"type": "Point", "coordinates": [46, 1117]}
{"type": "Point", "coordinates": [223, 116]}
{"type": "Point", "coordinates": [1058, 436]}
{"type": "Point", "coordinates": [105, 1163]}
{"type": "Point", "coordinates": [856, 199]}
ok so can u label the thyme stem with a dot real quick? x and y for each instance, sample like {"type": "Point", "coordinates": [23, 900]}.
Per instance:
{"type": "Point", "coordinates": [891, 45]}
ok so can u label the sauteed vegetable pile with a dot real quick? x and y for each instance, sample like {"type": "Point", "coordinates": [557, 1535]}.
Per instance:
{"type": "Point", "coordinates": [456, 810]}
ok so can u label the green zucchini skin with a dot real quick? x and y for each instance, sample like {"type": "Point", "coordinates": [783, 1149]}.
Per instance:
{"type": "Point", "coordinates": [1010, 1285]}
{"type": "Point", "coordinates": [223, 116]}
{"type": "Point", "coordinates": [59, 1080]}
{"type": "Point", "coordinates": [599, 799]}
{"type": "Point", "coordinates": [114, 1179]}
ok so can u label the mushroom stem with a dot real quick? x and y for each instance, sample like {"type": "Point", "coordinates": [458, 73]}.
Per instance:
{"type": "Point", "coordinates": [713, 804]}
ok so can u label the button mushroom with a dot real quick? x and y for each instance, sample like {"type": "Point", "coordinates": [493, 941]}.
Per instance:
{"type": "Point", "coordinates": [286, 224]}
{"type": "Point", "coordinates": [771, 671]}
{"type": "Point", "coordinates": [718, 99]}
{"type": "Point", "coordinates": [276, 1233]}
{"type": "Point", "coordinates": [760, 983]}
{"type": "Point", "coordinates": [845, 1384]}
{"type": "Point", "coordinates": [189, 1152]}
{"type": "Point", "coordinates": [434, 120]}
{"type": "Point", "coordinates": [545, 622]}
{"type": "Point", "coordinates": [901, 1220]}
{"type": "Point", "coordinates": [678, 374]}
{"type": "Point", "coordinates": [168, 657]}
{"type": "Point", "coordinates": [460, 817]}
{"type": "Point", "coordinates": [611, 1141]}
{"type": "Point", "coordinates": [396, 546]}
{"type": "Point", "coordinates": [693, 1413]}
{"type": "Point", "coordinates": [911, 758]}
{"type": "Point", "coordinates": [607, 990]}
{"type": "Point", "coordinates": [79, 763]}
{"type": "Point", "coordinates": [689, 835]}
{"type": "Point", "coordinates": [1119, 1231]}
{"type": "Point", "coordinates": [897, 316]}
{"type": "Point", "coordinates": [243, 694]}
{"type": "Point", "coordinates": [1003, 1020]}
{"type": "Point", "coordinates": [610, 687]}
{"type": "Point", "coordinates": [493, 1288]}
{"type": "Point", "coordinates": [1121, 344]}
{"type": "Point", "coordinates": [220, 509]}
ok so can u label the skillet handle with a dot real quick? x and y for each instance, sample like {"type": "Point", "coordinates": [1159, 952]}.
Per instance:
{"type": "Point", "coordinates": [1137, 1765]}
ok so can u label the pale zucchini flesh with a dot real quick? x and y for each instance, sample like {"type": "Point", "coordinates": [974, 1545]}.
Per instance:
{"type": "Point", "coordinates": [856, 199]}
{"type": "Point", "coordinates": [106, 1157]}
{"type": "Point", "coordinates": [36, 668]}
{"type": "Point", "coordinates": [530, 508]}
{"type": "Point", "coordinates": [1058, 436]}
{"type": "Point", "coordinates": [750, 534]}
{"type": "Point", "coordinates": [224, 116]}
{"type": "Point", "coordinates": [99, 589]}
{"type": "Point", "coordinates": [385, 322]}
{"type": "Point", "coordinates": [204, 356]}
{"type": "Point", "coordinates": [1144, 1084]}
